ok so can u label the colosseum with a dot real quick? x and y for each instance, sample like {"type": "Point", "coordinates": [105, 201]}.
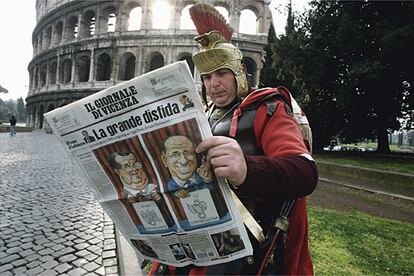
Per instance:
{"type": "Point", "coordinates": [81, 47]}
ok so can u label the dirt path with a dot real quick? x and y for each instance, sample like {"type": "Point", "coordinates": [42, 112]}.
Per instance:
{"type": "Point", "coordinates": [338, 197]}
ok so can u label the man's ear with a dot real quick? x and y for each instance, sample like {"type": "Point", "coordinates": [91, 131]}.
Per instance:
{"type": "Point", "coordinates": [116, 171]}
{"type": "Point", "coordinates": [164, 159]}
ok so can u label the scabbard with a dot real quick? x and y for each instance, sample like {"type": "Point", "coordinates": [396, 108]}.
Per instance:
{"type": "Point", "coordinates": [271, 262]}
{"type": "Point", "coordinates": [270, 255]}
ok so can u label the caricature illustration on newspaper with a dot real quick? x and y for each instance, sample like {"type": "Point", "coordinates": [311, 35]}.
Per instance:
{"type": "Point", "coordinates": [135, 143]}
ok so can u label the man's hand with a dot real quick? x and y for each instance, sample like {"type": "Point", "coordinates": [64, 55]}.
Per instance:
{"type": "Point", "coordinates": [226, 157]}
{"type": "Point", "coordinates": [205, 170]}
{"type": "Point", "coordinates": [155, 195]}
{"type": "Point", "coordinates": [182, 193]}
{"type": "Point", "coordinates": [132, 199]}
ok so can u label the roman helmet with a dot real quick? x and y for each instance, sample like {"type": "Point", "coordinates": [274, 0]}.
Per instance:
{"type": "Point", "coordinates": [216, 50]}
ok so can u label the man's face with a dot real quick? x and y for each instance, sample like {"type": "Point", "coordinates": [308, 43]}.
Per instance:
{"type": "Point", "coordinates": [180, 157]}
{"type": "Point", "coordinates": [131, 173]}
{"type": "Point", "coordinates": [221, 86]}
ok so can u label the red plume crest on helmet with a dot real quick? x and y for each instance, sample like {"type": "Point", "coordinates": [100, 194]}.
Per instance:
{"type": "Point", "coordinates": [206, 18]}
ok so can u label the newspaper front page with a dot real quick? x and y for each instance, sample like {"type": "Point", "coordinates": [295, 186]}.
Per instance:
{"type": "Point", "coordinates": [135, 144]}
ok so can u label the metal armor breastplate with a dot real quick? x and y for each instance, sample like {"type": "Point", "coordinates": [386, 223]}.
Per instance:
{"type": "Point", "coordinates": [245, 136]}
{"type": "Point", "coordinates": [220, 125]}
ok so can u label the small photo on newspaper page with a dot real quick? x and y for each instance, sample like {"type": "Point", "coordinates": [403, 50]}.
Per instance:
{"type": "Point", "coordinates": [144, 248]}
{"type": "Point", "coordinates": [228, 242]}
{"type": "Point", "coordinates": [135, 182]}
{"type": "Point", "coordinates": [186, 102]}
{"type": "Point", "coordinates": [187, 179]}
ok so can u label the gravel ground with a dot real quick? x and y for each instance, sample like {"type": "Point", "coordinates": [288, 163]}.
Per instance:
{"type": "Point", "coordinates": [342, 198]}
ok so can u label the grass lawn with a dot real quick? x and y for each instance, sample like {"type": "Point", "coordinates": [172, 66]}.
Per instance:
{"type": "Point", "coordinates": [354, 243]}
{"type": "Point", "coordinates": [373, 146]}
{"type": "Point", "coordinates": [359, 244]}
{"type": "Point", "coordinates": [368, 160]}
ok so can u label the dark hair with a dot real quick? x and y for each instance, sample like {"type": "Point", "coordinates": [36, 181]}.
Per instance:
{"type": "Point", "coordinates": [112, 162]}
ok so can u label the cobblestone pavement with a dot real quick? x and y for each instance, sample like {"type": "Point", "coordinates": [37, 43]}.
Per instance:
{"type": "Point", "coordinates": [50, 223]}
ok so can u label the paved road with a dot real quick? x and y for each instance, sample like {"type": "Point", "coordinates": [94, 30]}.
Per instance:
{"type": "Point", "coordinates": [50, 224]}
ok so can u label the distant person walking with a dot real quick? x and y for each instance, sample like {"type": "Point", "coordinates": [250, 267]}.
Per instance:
{"type": "Point", "coordinates": [12, 126]}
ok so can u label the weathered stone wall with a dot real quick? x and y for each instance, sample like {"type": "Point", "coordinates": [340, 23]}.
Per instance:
{"type": "Point", "coordinates": [43, 7]}
{"type": "Point", "coordinates": [6, 128]}
{"type": "Point", "coordinates": [390, 182]}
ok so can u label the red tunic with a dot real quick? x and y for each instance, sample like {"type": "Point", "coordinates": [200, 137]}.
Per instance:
{"type": "Point", "coordinates": [280, 138]}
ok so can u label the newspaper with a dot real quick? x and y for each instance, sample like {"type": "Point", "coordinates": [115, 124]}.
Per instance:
{"type": "Point", "coordinates": [135, 144]}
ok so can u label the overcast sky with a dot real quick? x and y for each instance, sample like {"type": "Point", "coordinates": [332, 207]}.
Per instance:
{"type": "Point", "coordinates": [17, 22]}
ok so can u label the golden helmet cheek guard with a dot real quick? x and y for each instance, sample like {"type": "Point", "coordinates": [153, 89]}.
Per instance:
{"type": "Point", "coordinates": [217, 53]}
